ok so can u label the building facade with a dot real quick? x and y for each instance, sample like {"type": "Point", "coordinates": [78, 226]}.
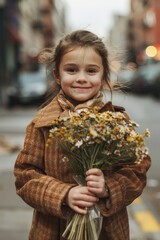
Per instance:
{"type": "Point", "coordinates": [10, 42]}
{"type": "Point", "coordinates": [143, 29]}
{"type": "Point", "coordinates": [42, 23]}
{"type": "Point", "coordinates": [26, 27]}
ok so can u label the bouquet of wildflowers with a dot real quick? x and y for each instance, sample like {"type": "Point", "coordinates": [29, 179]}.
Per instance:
{"type": "Point", "coordinates": [91, 139]}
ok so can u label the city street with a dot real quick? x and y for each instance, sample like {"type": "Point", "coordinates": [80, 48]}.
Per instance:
{"type": "Point", "coordinates": [144, 212]}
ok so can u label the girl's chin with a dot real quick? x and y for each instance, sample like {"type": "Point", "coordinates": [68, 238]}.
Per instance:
{"type": "Point", "coordinates": [81, 97]}
{"type": "Point", "coordinates": [78, 99]}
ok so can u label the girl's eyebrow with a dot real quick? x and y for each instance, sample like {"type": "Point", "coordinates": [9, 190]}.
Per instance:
{"type": "Point", "coordinates": [74, 64]}
{"type": "Point", "coordinates": [93, 66]}
{"type": "Point", "coordinates": [70, 64]}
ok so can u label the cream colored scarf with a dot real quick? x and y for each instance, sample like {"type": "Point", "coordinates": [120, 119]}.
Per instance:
{"type": "Point", "coordinates": [69, 107]}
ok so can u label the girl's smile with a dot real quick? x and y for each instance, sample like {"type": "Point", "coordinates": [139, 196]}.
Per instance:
{"type": "Point", "coordinates": [80, 74]}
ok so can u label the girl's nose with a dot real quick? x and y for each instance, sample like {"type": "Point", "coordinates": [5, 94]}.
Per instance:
{"type": "Point", "coordinates": [81, 77]}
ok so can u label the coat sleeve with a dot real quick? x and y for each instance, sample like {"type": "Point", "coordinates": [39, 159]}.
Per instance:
{"type": "Point", "coordinates": [124, 186]}
{"type": "Point", "coordinates": [42, 192]}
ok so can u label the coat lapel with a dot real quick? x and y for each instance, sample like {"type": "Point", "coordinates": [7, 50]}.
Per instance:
{"type": "Point", "coordinates": [46, 115]}
{"type": "Point", "coordinates": [110, 107]}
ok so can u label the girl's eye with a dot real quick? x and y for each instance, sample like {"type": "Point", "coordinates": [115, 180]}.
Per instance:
{"type": "Point", "coordinates": [92, 70]}
{"type": "Point", "coordinates": [72, 70]}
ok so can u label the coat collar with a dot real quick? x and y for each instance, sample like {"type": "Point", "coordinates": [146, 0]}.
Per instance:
{"type": "Point", "coordinates": [53, 110]}
{"type": "Point", "coordinates": [46, 115]}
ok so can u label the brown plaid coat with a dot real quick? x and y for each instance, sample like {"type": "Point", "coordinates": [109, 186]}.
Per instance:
{"type": "Point", "coordinates": [43, 180]}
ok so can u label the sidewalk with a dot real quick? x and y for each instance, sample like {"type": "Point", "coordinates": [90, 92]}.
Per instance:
{"type": "Point", "coordinates": [15, 216]}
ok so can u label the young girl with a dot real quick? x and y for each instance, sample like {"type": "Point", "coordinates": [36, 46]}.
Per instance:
{"type": "Point", "coordinates": [80, 70]}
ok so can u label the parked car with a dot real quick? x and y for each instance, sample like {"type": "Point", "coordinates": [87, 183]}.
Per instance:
{"type": "Point", "coordinates": [30, 87]}
{"type": "Point", "coordinates": [156, 88]}
{"type": "Point", "coordinates": [145, 79]}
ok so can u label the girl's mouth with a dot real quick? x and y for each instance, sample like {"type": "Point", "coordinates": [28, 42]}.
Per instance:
{"type": "Point", "coordinates": [79, 87]}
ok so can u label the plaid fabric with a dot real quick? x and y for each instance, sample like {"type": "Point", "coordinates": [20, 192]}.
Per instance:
{"type": "Point", "coordinates": [43, 180]}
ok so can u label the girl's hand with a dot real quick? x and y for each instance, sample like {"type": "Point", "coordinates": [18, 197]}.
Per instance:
{"type": "Point", "coordinates": [96, 182]}
{"type": "Point", "coordinates": [79, 198]}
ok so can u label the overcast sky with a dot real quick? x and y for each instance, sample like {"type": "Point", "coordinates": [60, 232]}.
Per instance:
{"type": "Point", "coordinates": [95, 15]}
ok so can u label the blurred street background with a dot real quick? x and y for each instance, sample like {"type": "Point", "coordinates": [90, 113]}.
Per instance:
{"type": "Point", "coordinates": [131, 30]}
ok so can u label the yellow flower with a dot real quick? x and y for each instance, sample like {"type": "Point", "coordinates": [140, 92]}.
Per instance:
{"type": "Point", "coordinates": [113, 137]}
{"type": "Point", "coordinates": [129, 138]}
{"type": "Point", "coordinates": [50, 135]}
{"type": "Point", "coordinates": [93, 132]}
{"type": "Point", "coordinates": [76, 140]}
{"type": "Point", "coordinates": [147, 133]}
{"type": "Point", "coordinates": [116, 128]}
{"type": "Point", "coordinates": [139, 137]}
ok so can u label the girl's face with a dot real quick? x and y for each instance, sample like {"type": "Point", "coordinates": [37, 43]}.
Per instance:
{"type": "Point", "coordinates": [80, 74]}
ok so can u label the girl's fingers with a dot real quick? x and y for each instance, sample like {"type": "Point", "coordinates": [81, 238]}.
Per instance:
{"type": "Point", "coordinates": [95, 181]}
{"type": "Point", "coordinates": [100, 192]}
{"type": "Point", "coordinates": [94, 171]}
{"type": "Point", "coordinates": [93, 184]}
{"type": "Point", "coordinates": [80, 205]}
{"type": "Point", "coordinates": [95, 190]}
{"type": "Point", "coordinates": [82, 193]}
{"type": "Point", "coordinates": [94, 178]}
{"type": "Point", "coordinates": [84, 204]}
{"type": "Point", "coordinates": [80, 210]}
{"type": "Point", "coordinates": [80, 197]}
{"type": "Point", "coordinates": [85, 198]}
